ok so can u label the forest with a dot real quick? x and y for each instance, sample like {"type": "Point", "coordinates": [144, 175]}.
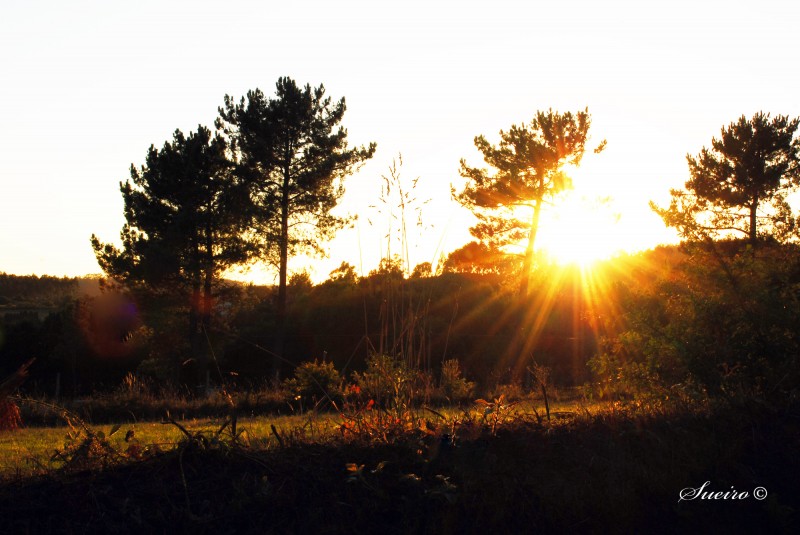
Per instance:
{"type": "Point", "coordinates": [440, 369]}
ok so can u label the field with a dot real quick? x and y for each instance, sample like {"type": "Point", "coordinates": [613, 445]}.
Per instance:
{"type": "Point", "coordinates": [480, 469]}
{"type": "Point", "coordinates": [36, 449]}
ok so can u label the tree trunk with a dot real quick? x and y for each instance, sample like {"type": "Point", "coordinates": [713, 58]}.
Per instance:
{"type": "Point", "coordinates": [282, 271]}
{"type": "Point", "coordinates": [194, 331]}
{"type": "Point", "coordinates": [753, 221]}
{"type": "Point", "coordinates": [205, 317]}
{"type": "Point", "coordinates": [527, 264]}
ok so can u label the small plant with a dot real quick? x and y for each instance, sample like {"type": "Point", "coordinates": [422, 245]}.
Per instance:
{"type": "Point", "coordinates": [86, 448]}
{"type": "Point", "coordinates": [316, 383]}
{"type": "Point", "coordinates": [542, 376]}
{"type": "Point", "coordinates": [134, 386]}
{"type": "Point", "coordinates": [513, 391]}
{"type": "Point", "coordinates": [453, 386]}
{"type": "Point", "coordinates": [379, 405]}
{"type": "Point", "coordinates": [10, 417]}
{"type": "Point", "coordinates": [495, 412]}
{"type": "Point", "coordinates": [227, 436]}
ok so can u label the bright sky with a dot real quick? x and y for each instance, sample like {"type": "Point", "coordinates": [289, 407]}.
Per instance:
{"type": "Point", "coordinates": [86, 87]}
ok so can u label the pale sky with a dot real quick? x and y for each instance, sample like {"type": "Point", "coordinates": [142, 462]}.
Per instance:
{"type": "Point", "coordinates": [87, 87]}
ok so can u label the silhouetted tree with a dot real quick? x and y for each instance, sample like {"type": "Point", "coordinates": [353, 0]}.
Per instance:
{"type": "Point", "coordinates": [295, 156]}
{"type": "Point", "coordinates": [186, 214]}
{"type": "Point", "coordinates": [752, 167]}
{"type": "Point", "coordinates": [478, 257]}
{"type": "Point", "coordinates": [422, 270]}
{"type": "Point", "coordinates": [529, 171]}
{"type": "Point", "coordinates": [389, 268]}
{"type": "Point", "coordinates": [345, 275]}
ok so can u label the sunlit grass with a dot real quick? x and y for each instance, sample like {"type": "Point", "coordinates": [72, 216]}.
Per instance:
{"type": "Point", "coordinates": [29, 450]}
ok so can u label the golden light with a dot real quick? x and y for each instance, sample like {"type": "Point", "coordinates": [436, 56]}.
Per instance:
{"type": "Point", "coordinates": [581, 230]}
{"type": "Point", "coordinates": [601, 217]}
{"type": "Point", "coordinates": [582, 225]}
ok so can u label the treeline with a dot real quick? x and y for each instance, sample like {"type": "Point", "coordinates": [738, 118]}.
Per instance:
{"type": "Point", "coordinates": [678, 322]}
{"type": "Point", "coordinates": [424, 321]}
{"type": "Point", "coordinates": [35, 291]}
{"type": "Point", "coordinates": [93, 342]}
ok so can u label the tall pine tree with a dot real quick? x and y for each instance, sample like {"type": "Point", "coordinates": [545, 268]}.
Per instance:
{"type": "Point", "coordinates": [294, 155]}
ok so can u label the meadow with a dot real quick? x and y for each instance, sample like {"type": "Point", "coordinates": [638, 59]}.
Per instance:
{"type": "Point", "coordinates": [490, 466]}
{"type": "Point", "coordinates": [50, 442]}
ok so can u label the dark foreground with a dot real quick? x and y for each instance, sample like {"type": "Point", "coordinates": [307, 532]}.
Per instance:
{"type": "Point", "coordinates": [606, 474]}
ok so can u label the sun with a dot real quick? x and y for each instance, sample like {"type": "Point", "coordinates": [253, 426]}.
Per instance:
{"type": "Point", "coordinates": [581, 230]}
{"type": "Point", "coordinates": [601, 217]}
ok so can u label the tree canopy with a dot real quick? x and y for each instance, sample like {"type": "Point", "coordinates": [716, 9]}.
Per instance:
{"type": "Point", "coordinates": [529, 171]}
{"type": "Point", "coordinates": [185, 212]}
{"type": "Point", "coordinates": [740, 184]}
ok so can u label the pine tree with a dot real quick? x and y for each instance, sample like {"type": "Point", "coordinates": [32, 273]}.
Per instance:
{"type": "Point", "coordinates": [186, 215]}
{"type": "Point", "coordinates": [740, 185]}
{"type": "Point", "coordinates": [529, 171]}
{"type": "Point", "coordinates": [294, 155]}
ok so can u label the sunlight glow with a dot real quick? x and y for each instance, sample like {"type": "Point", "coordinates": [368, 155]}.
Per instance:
{"type": "Point", "coordinates": [582, 225]}
{"type": "Point", "coordinates": [601, 217]}
{"type": "Point", "coordinates": [581, 230]}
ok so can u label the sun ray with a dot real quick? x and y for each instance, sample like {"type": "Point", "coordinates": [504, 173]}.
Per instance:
{"type": "Point", "coordinates": [581, 230]}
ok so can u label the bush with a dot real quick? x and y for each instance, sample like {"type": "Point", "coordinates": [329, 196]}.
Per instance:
{"type": "Point", "coordinates": [387, 380]}
{"type": "Point", "coordinates": [10, 418]}
{"type": "Point", "coordinates": [315, 382]}
{"type": "Point", "coordinates": [723, 322]}
{"type": "Point", "coordinates": [453, 386]}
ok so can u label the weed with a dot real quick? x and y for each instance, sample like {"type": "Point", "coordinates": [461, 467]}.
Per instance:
{"type": "Point", "coordinates": [495, 412]}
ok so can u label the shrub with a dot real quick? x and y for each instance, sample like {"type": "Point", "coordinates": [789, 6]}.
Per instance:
{"type": "Point", "coordinates": [314, 382]}
{"type": "Point", "coordinates": [453, 386]}
{"type": "Point", "coordinates": [387, 380]}
{"type": "Point", "coordinates": [724, 321]}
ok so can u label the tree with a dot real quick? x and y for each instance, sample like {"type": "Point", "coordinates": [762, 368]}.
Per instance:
{"type": "Point", "coordinates": [422, 270]}
{"type": "Point", "coordinates": [186, 215]}
{"type": "Point", "coordinates": [529, 172]}
{"type": "Point", "coordinates": [740, 184]}
{"type": "Point", "coordinates": [295, 156]}
{"type": "Point", "coordinates": [477, 257]}
{"type": "Point", "coordinates": [344, 275]}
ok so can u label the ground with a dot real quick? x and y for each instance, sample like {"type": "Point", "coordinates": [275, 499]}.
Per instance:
{"type": "Point", "coordinates": [611, 472]}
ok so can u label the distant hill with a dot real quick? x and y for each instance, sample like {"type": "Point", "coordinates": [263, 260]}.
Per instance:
{"type": "Point", "coordinates": [32, 291]}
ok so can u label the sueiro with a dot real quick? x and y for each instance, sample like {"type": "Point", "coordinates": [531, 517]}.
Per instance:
{"type": "Point", "coordinates": [703, 493]}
